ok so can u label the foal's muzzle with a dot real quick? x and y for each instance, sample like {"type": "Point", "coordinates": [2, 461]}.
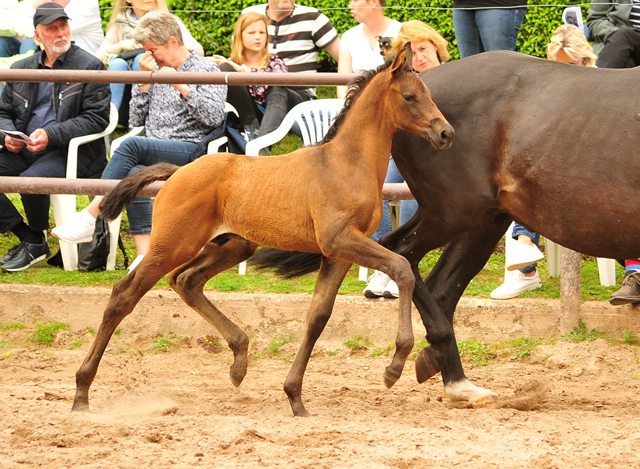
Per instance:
{"type": "Point", "coordinates": [440, 134]}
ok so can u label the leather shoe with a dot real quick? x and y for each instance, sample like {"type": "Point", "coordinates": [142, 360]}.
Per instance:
{"type": "Point", "coordinates": [10, 254]}
{"type": "Point", "coordinates": [629, 292]}
{"type": "Point", "coordinates": [27, 255]}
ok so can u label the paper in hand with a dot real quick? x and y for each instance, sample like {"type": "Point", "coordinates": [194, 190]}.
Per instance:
{"type": "Point", "coordinates": [17, 135]}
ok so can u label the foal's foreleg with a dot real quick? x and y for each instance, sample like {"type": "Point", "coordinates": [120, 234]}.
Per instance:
{"type": "Point", "coordinates": [124, 297]}
{"type": "Point", "coordinates": [330, 277]}
{"type": "Point", "coordinates": [188, 281]}
{"type": "Point", "coordinates": [355, 247]}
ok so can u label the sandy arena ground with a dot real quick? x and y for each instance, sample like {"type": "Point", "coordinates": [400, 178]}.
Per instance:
{"type": "Point", "coordinates": [570, 405]}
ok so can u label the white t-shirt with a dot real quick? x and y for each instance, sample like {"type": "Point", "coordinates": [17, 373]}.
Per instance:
{"type": "Point", "coordinates": [356, 44]}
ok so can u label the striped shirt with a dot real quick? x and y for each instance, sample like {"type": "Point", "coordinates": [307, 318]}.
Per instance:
{"type": "Point", "coordinates": [298, 38]}
{"type": "Point", "coordinates": [634, 15]}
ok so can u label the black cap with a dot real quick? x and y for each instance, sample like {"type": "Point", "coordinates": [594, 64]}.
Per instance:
{"type": "Point", "coordinates": [47, 13]}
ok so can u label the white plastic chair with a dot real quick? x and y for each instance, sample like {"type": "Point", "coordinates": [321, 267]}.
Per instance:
{"type": "Point", "coordinates": [606, 267]}
{"type": "Point", "coordinates": [314, 119]}
{"type": "Point", "coordinates": [64, 205]}
{"type": "Point", "coordinates": [114, 225]}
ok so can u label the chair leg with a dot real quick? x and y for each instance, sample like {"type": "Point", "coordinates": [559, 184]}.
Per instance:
{"type": "Point", "coordinates": [242, 268]}
{"type": "Point", "coordinates": [553, 257]}
{"type": "Point", "coordinates": [64, 207]}
{"type": "Point", "coordinates": [607, 271]}
{"type": "Point", "coordinates": [114, 228]}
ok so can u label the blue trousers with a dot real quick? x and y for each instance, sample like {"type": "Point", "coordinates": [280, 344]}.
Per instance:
{"type": "Point", "coordinates": [535, 237]}
{"type": "Point", "coordinates": [121, 65]}
{"type": "Point", "coordinates": [487, 29]}
{"type": "Point", "coordinates": [136, 153]}
{"type": "Point", "coordinates": [408, 208]}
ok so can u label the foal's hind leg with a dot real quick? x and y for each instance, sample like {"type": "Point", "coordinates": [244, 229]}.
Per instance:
{"type": "Point", "coordinates": [188, 281]}
{"type": "Point", "coordinates": [124, 297]}
{"type": "Point", "coordinates": [330, 277]}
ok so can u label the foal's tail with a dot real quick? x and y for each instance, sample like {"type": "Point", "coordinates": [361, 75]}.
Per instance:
{"type": "Point", "coordinates": [288, 264]}
{"type": "Point", "coordinates": [127, 189]}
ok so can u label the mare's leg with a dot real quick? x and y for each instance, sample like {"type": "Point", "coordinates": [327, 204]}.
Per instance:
{"type": "Point", "coordinates": [330, 277]}
{"type": "Point", "coordinates": [355, 247]}
{"type": "Point", "coordinates": [463, 258]}
{"type": "Point", "coordinates": [188, 281]}
{"type": "Point", "coordinates": [124, 297]}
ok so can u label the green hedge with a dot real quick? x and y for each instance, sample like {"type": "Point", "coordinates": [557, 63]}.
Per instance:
{"type": "Point", "coordinates": [213, 29]}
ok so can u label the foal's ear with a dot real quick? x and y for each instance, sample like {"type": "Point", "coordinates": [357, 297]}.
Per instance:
{"type": "Point", "coordinates": [403, 61]}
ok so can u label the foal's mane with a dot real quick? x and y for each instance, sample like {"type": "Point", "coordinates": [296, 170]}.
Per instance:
{"type": "Point", "coordinates": [356, 87]}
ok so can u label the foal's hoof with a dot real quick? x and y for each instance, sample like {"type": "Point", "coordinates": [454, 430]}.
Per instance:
{"type": "Point", "coordinates": [389, 378]}
{"type": "Point", "coordinates": [236, 379]}
{"type": "Point", "coordinates": [80, 407]}
{"type": "Point", "coordinates": [425, 367]}
{"type": "Point", "coordinates": [487, 402]}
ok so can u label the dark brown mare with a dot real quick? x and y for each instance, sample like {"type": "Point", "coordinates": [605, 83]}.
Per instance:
{"type": "Point", "coordinates": [549, 145]}
{"type": "Point", "coordinates": [213, 213]}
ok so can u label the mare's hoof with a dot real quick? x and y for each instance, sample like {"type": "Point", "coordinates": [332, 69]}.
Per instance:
{"type": "Point", "coordinates": [487, 402]}
{"type": "Point", "coordinates": [389, 379]}
{"type": "Point", "coordinates": [301, 413]}
{"type": "Point", "coordinates": [425, 368]}
{"type": "Point", "coordinates": [236, 379]}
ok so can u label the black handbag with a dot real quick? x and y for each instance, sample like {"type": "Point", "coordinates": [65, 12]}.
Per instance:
{"type": "Point", "coordinates": [129, 55]}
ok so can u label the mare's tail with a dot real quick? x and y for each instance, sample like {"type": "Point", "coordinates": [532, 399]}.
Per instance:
{"type": "Point", "coordinates": [127, 189]}
{"type": "Point", "coordinates": [288, 264]}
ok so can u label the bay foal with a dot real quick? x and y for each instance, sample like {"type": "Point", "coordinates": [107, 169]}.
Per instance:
{"type": "Point", "coordinates": [213, 213]}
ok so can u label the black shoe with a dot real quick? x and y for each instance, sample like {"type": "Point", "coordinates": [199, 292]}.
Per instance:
{"type": "Point", "coordinates": [629, 292]}
{"type": "Point", "coordinates": [27, 255]}
{"type": "Point", "coordinates": [12, 252]}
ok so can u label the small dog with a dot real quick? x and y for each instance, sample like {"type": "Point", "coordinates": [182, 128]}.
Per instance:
{"type": "Point", "coordinates": [385, 45]}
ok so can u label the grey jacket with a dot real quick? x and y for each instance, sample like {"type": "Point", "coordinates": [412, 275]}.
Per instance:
{"type": "Point", "coordinates": [605, 17]}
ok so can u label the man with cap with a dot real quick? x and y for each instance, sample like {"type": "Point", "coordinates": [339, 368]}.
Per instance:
{"type": "Point", "coordinates": [50, 114]}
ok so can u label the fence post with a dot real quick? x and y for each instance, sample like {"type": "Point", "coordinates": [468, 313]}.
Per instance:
{"type": "Point", "coordinates": [569, 290]}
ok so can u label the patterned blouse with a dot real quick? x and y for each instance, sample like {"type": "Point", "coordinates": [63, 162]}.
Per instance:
{"type": "Point", "coordinates": [166, 115]}
{"type": "Point", "coordinates": [259, 92]}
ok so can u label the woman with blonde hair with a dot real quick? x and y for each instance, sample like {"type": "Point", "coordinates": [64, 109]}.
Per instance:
{"type": "Point", "coordinates": [429, 51]}
{"type": "Point", "coordinates": [261, 107]}
{"type": "Point", "coordinates": [569, 45]}
{"type": "Point", "coordinates": [120, 52]}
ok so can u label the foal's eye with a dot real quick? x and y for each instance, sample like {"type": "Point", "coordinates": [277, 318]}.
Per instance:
{"type": "Point", "coordinates": [409, 98]}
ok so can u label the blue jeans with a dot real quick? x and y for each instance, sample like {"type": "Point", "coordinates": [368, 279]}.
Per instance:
{"type": "Point", "coordinates": [407, 207]}
{"type": "Point", "coordinates": [136, 153]}
{"type": "Point", "coordinates": [9, 46]}
{"type": "Point", "coordinates": [51, 163]}
{"type": "Point", "coordinates": [487, 29]}
{"type": "Point", "coordinates": [121, 65]}
{"type": "Point", "coordinates": [535, 237]}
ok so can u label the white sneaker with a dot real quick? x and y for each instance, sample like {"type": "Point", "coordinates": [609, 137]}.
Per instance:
{"type": "Point", "coordinates": [524, 255]}
{"type": "Point", "coordinates": [515, 284]}
{"type": "Point", "coordinates": [75, 230]}
{"type": "Point", "coordinates": [376, 284]}
{"type": "Point", "coordinates": [391, 290]}
{"type": "Point", "coordinates": [135, 262]}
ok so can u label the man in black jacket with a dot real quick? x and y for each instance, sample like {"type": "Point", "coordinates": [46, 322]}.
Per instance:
{"type": "Point", "coordinates": [50, 114]}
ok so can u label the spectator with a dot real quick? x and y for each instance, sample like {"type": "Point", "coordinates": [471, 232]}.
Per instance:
{"type": "Point", "coordinates": [120, 52]}
{"type": "Point", "coordinates": [176, 118]}
{"type": "Point", "coordinates": [485, 25]}
{"type": "Point", "coordinates": [429, 51]}
{"type": "Point", "coordinates": [359, 46]}
{"type": "Point", "coordinates": [249, 53]}
{"type": "Point", "coordinates": [16, 20]}
{"type": "Point", "coordinates": [567, 45]}
{"type": "Point", "coordinates": [51, 114]}
{"type": "Point", "coordinates": [615, 29]}
{"type": "Point", "coordinates": [297, 34]}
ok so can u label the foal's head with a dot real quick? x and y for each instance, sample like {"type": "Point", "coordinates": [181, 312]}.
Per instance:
{"type": "Point", "coordinates": [408, 102]}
